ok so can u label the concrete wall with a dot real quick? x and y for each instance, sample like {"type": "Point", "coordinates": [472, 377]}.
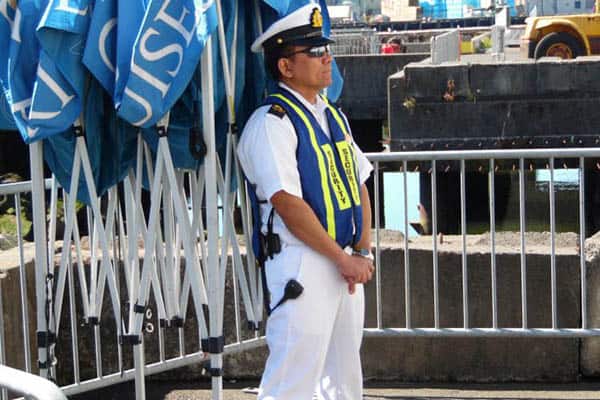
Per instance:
{"type": "Point", "coordinates": [473, 359]}
{"type": "Point", "coordinates": [405, 359]}
{"type": "Point", "coordinates": [491, 105]}
{"type": "Point", "coordinates": [365, 82]}
{"type": "Point", "coordinates": [12, 309]}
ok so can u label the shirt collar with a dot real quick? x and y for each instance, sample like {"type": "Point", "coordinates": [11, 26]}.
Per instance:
{"type": "Point", "coordinates": [316, 108]}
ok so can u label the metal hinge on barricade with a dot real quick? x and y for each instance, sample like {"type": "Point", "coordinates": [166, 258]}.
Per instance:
{"type": "Point", "coordinates": [47, 365]}
{"type": "Point", "coordinates": [46, 339]}
{"type": "Point", "coordinates": [196, 142]}
{"type": "Point", "coordinates": [213, 345]}
{"type": "Point", "coordinates": [131, 340]}
{"type": "Point", "coordinates": [78, 127]}
{"type": "Point", "coordinates": [139, 309]}
{"type": "Point", "coordinates": [163, 124]}
{"type": "Point", "coordinates": [175, 322]}
{"type": "Point", "coordinates": [254, 325]}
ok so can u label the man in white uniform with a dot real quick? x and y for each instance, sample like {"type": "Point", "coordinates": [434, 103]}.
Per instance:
{"type": "Point", "coordinates": [308, 176]}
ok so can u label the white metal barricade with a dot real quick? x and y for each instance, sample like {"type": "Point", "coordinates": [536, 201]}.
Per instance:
{"type": "Point", "coordinates": [355, 41]}
{"type": "Point", "coordinates": [240, 340]}
{"type": "Point", "coordinates": [445, 47]}
{"type": "Point", "coordinates": [169, 234]}
{"type": "Point", "coordinates": [32, 386]}
{"type": "Point", "coordinates": [491, 159]}
{"type": "Point", "coordinates": [498, 32]}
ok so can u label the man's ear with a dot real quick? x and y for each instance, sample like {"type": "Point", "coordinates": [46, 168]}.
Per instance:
{"type": "Point", "coordinates": [284, 67]}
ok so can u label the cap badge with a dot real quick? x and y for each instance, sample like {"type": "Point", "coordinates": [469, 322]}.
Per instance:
{"type": "Point", "coordinates": [316, 19]}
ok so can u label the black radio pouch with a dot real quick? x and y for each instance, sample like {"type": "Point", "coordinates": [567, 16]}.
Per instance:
{"type": "Point", "coordinates": [270, 242]}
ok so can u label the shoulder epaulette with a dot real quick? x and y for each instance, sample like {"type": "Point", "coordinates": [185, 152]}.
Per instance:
{"type": "Point", "coordinates": [277, 110]}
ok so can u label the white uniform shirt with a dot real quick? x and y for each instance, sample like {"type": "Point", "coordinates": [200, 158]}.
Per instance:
{"type": "Point", "coordinates": [267, 153]}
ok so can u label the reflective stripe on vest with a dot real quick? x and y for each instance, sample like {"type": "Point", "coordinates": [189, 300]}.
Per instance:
{"type": "Point", "coordinates": [346, 153]}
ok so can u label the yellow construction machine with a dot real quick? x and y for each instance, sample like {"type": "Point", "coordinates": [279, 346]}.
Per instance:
{"type": "Point", "coordinates": [564, 36]}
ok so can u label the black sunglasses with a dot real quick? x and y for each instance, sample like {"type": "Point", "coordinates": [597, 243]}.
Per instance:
{"type": "Point", "coordinates": [312, 52]}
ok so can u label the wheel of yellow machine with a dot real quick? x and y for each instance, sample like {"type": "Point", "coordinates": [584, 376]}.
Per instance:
{"type": "Point", "coordinates": [559, 44]}
{"type": "Point", "coordinates": [561, 50]}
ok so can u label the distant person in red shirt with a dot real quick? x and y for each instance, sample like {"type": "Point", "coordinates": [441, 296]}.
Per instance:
{"type": "Point", "coordinates": [392, 46]}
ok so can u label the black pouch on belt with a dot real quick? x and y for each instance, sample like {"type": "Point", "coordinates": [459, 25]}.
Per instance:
{"type": "Point", "coordinates": [270, 242]}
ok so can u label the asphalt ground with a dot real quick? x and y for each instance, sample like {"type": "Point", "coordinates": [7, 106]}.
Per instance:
{"type": "Point", "coordinates": [237, 390]}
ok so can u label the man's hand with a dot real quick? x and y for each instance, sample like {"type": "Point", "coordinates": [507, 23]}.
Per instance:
{"type": "Point", "coordinates": [356, 269]}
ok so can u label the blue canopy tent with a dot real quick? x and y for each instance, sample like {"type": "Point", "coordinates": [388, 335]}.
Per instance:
{"type": "Point", "coordinates": [7, 123]}
{"type": "Point", "coordinates": [54, 42]}
{"type": "Point", "coordinates": [104, 88]}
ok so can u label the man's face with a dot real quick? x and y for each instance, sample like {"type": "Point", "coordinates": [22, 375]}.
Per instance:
{"type": "Point", "coordinates": [309, 67]}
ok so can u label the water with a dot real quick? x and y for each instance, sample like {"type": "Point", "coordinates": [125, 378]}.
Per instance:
{"type": "Point", "coordinates": [564, 180]}
{"type": "Point", "coordinates": [393, 200]}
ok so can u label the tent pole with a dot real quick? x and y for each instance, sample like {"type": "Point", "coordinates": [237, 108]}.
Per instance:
{"type": "Point", "coordinates": [225, 192]}
{"type": "Point", "coordinates": [69, 213]}
{"type": "Point", "coordinates": [210, 163]}
{"type": "Point", "coordinates": [138, 360]}
{"type": "Point", "coordinates": [247, 219]}
{"type": "Point", "coordinates": [41, 254]}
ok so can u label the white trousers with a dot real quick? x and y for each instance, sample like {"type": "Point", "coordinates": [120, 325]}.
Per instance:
{"type": "Point", "coordinates": [314, 341]}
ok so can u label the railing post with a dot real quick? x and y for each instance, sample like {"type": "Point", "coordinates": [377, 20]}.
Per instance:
{"type": "Point", "coordinates": [3, 392]}
{"type": "Point", "coordinates": [498, 42]}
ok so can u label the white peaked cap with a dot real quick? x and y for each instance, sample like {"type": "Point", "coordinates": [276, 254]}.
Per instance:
{"type": "Point", "coordinates": [303, 27]}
